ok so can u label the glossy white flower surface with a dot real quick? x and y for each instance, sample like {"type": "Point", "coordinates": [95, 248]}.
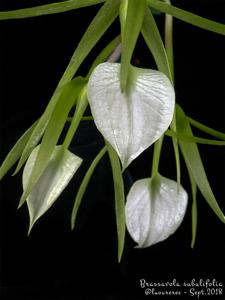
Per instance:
{"type": "Point", "coordinates": [133, 120]}
{"type": "Point", "coordinates": [61, 168]}
{"type": "Point", "coordinates": [154, 210]}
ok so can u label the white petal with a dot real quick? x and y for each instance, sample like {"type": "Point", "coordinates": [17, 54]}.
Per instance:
{"type": "Point", "coordinates": [154, 211]}
{"type": "Point", "coordinates": [60, 170]}
{"type": "Point", "coordinates": [130, 121]}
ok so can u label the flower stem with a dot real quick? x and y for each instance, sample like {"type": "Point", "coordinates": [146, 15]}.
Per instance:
{"type": "Point", "coordinates": [156, 156]}
{"type": "Point", "coordinates": [169, 52]}
{"type": "Point", "coordinates": [169, 40]}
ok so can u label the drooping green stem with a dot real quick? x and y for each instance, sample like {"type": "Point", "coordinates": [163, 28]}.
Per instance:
{"type": "Point", "coordinates": [156, 156]}
{"type": "Point", "coordinates": [123, 15]}
{"type": "Point", "coordinates": [169, 40]}
{"type": "Point", "coordinates": [119, 198]}
{"type": "Point", "coordinates": [84, 118]}
{"type": "Point", "coordinates": [82, 104]}
{"type": "Point", "coordinates": [47, 9]}
{"type": "Point", "coordinates": [194, 139]}
{"type": "Point", "coordinates": [169, 52]}
{"type": "Point", "coordinates": [187, 16]}
{"type": "Point", "coordinates": [154, 42]}
{"type": "Point", "coordinates": [131, 18]}
{"type": "Point", "coordinates": [207, 129]}
{"type": "Point", "coordinates": [104, 18]}
{"type": "Point", "coordinates": [84, 185]}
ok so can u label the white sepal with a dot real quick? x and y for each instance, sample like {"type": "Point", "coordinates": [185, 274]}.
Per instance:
{"type": "Point", "coordinates": [133, 120]}
{"type": "Point", "coordinates": [61, 167]}
{"type": "Point", "coordinates": [154, 210]}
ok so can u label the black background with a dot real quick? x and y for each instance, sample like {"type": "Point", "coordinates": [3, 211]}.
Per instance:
{"type": "Point", "coordinates": [55, 263]}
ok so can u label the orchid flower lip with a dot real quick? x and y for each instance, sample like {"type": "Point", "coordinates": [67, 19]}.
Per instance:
{"type": "Point", "coordinates": [154, 210]}
{"type": "Point", "coordinates": [131, 121]}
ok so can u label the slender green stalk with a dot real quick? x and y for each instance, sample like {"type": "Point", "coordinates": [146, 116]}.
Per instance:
{"type": "Point", "coordinates": [155, 44]}
{"type": "Point", "coordinates": [132, 25]}
{"type": "Point", "coordinates": [207, 129]}
{"type": "Point", "coordinates": [16, 151]}
{"type": "Point", "coordinates": [82, 104]}
{"type": "Point", "coordinates": [119, 198]}
{"type": "Point", "coordinates": [169, 40]}
{"type": "Point", "coordinates": [84, 118]}
{"type": "Point", "coordinates": [194, 139]}
{"type": "Point", "coordinates": [194, 211]}
{"type": "Point", "coordinates": [123, 15]}
{"type": "Point", "coordinates": [194, 163]}
{"type": "Point", "coordinates": [104, 18]}
{"type": "Point", "coordinates": [156, 156]}
{"type": "Point", "coordinates": [48, 9]}
{"type": "Point", "coordinates": [169, 52]}
{"type": "Point", "coordinates": [84, 185]}
{"type": "Point", "coordinates": [188, 17]}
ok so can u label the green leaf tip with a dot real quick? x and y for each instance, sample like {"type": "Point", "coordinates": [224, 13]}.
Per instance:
{"type": "Point", "coordinates": [194, 139]}
{"type": "Point", "coordinates": [188, 17]}
{"type": "Point", "coordinates": [16, 152]}
{"type": "Point", "coordinates": [194, 163]}
{"type": "Point", "coordinates": [47, 9]}
{"type": "Point", "coordinates": [119, 199]}
{"type": "Point", "coordinates": [207, 129]}
{"type": "Point", "coordinates": [84, 185]}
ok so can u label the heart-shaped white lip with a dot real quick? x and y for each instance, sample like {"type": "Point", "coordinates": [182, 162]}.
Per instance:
{"type": "Point", "coordinates": [154, 210]}
{"type": "Point", "coordinates": [133, 120]}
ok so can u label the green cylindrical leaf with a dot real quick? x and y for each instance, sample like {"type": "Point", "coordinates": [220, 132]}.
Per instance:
{"type": "Point", "coordinates": [84, 185]}
{"type": "Point", "coordinates": [119, 199]}
{"type": "Point", "coordinates": [154, 42]}
{"type": "Point", "coordinates": [194, 139]}
{"type": "Point", "coordinates": [104, 18]}
{"type": "Point", "coordinates": [194, 163]}
{"type": "Point", "coordinates": [16, 152]}
{"type": "Point", "coordinates": [133, 23]}
{"type": "Point", "coordinates": [47, 9]}
{"type": "Point", "coordinates": [51, 136]}
{"type": "Point", "coordinates": [206, 129]}
{"type": "Point", "coordinates": [42, 123]}
{"type": "Point", "coordinates": [82, 103]}
{"type": "Point", "coordinates": [188, 17]}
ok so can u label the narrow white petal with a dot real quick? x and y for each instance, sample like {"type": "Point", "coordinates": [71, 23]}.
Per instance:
{"type": "Point", "coordinates": [61, 168]}
{"type": "Point", "coordinates": [131, 121]}
{"type": "Point", "coordinates": [154, 211]}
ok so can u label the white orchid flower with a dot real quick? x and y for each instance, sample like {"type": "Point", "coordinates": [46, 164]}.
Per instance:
{"type": "Point", "coordinates": [133, 120]}
{"type": "Point", "coordinates": [154, 210]}
{"type": "Point", "coordinates": [62, 165]}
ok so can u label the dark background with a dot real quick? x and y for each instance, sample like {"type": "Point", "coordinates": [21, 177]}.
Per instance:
{"type": "Point", "coordinates": [55, 263]}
